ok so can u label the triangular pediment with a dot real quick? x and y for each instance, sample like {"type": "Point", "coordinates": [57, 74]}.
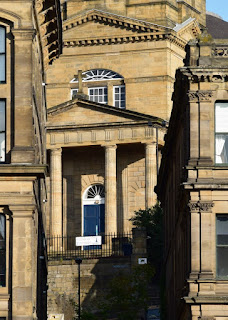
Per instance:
{"type": "Point", "coordinates": [95, 26]}
{"type": "Point", "coordinates": [81, 112]}
{"type": "Point", "coordinates": [188, 30]}
{"type": "Point", "coordinates": [114, 20]}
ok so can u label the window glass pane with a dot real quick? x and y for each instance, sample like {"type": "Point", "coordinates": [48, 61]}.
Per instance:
{"type": "Point", "coordinates": [2, 116]}
{"type": "Point", "coordinates": [221, 148]}
{"type": "Point", "coordinates": [222, 262]}
{"type": "Point", "coordinates": [2, 68]}
{"type": "Point", "coordinates": [2, 40]}
{"type": "Point", "coordinates": [2, 147]}
{"type": "Point", "coordinates": [221, 117]}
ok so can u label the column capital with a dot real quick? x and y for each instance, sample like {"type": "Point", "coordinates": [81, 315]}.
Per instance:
{"type": "Point", "coordinates": [22, 211]}
{"type": "Point", "coordinates": [24, 34]}
{"type": "Point", "coordinates": [150, 144]}
{"type": "Point", "coordinates": [56, 151]}
{"type": "Point", "coordinates": [110, 146]}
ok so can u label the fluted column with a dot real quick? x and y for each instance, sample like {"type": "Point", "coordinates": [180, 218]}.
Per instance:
{"type": "Point", "coordinates": [56, 191]}
{"type": "Point", "coordinates": [110, 190]}
{"type": "Point", "coordinates": [151, 174]}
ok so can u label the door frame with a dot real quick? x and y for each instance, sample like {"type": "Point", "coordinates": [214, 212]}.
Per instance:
{"type": "Point", "coordinates": [92, 201]}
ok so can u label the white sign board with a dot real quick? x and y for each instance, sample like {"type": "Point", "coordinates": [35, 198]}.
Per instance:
{"type": "Point", "coordinates": [142, 260]}
{"type": "Point", "coordinates": [88, 241]}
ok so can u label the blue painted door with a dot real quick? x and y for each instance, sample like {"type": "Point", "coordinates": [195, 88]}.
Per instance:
{"type": "Point", "coordinates": [94, 219]}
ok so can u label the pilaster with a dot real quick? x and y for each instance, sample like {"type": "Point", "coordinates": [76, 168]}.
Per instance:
{"type": "Point", "coordinates": [24, 246]}
{"type": "Point", "coordinates": [110, 190]}
{"type": "Point", "coordinates": [56, 191]}
{"type": "Point", "coordinates": [23, 151]}
{"type": "Point", "coordinates": [151, 174]}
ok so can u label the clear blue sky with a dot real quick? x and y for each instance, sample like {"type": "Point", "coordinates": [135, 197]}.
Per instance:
{"type": "Point", "coordinates": [218, 6]}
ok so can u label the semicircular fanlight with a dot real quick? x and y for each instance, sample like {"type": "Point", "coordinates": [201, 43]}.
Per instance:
{"type": "Point", "coordinates": [96, 191]}
{"type": "Point", "coordinates": [99, 75]}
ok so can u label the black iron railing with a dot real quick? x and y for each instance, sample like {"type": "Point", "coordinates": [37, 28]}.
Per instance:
{"type": "Point", "coordinates": [64, 248]}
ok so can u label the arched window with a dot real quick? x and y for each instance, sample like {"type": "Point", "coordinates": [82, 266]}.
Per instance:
{"type": "Point", "coordinates": [104, 86]}
{"type": "Point", "coordinates": [2, 54]}
{"type": "Point", "coordinates": [2, 250]}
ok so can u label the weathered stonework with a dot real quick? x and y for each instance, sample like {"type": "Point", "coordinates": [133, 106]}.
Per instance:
{"type": "Point", "coordinates": [194, 193]}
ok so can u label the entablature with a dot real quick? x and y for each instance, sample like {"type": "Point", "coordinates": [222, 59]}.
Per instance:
{"type": "Point", "coordinates": [100, 134]}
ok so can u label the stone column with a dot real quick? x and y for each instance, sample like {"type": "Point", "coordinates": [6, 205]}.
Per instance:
{"type": "Point", "coordinates": [24, 261]}
{"type": "Point", "coordinates": [151, 174]}
{"type": "Point", "coordinates": [56, 191]}
{"type": "Point", "coordinates": [110, 190]}
{"type": "Point", "coordinates": [23, 150]}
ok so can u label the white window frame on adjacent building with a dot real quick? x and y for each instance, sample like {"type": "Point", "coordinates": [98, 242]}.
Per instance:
{"type": "Point", "coordinates": [222, 246]}
{"type": "Point", "coordinates": [119, 96]}
{"type": "Point", "coordinates": [221, 132]}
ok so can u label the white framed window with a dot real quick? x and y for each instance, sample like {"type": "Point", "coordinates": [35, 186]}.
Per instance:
{"type": "Point", "coordinates": [73, 92]}
{"type": "Point", "coordinates": [119, 96]}
{"type": "Point", "coordinates": [222, 245]}
{"type": "Point", "coordinates": [98, 94]}
{"type": "Point", "coordinates": [221, 132]}
{"type": "Point", "coordinates": [2, 54]}
{"type": "Point", "coordinates": [2, 130]}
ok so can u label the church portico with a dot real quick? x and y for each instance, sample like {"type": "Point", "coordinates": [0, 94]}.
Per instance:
{"type": "Point", "coordinates": [119, 157]}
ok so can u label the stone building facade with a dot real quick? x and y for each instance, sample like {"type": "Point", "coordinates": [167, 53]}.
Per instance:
{"type": "Point", "coordinates": [192, 186]}
{"type": "Point", "coordinates": [83, 131]}
{"type": "Point", "coordinates": [103, 106]}
{"type": "Point", "coordinates": [30, 39]}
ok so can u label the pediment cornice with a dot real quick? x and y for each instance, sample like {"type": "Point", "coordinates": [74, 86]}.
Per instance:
{"type": "Point", "coordinates": [112, 19]}
{"type": "Point", "coordinates": [189, 26]}
{"type": "Point", "coordinates": [140, 30]}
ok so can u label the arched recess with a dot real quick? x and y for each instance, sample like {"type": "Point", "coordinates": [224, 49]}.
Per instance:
{"type": "Point", "coordinates": [93, 201]}
{"type": "Point", "coordinates": [10, 18]}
